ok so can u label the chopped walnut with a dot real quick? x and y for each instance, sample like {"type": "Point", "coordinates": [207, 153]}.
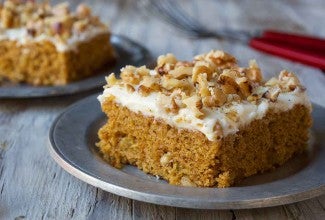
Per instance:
{"type": "Point", "coordinates": [58, 28]}
{"type": "Point", "coordinates": [210, 81]}
{"type": "Point", "coordinates": [229, 89]}
{"type": "Point", "coordinates": [232, 115]}
{"type": "Point", "coordinates": [257, 93]}
{"type": "Point", "coordinates": [218, 58]}
{"type": "Point", "coordinates": [181, 72]}
{"type": "Point", "coordinates": [192, 103]}
{"type": "Point", "coordinates": [80, 26]}
{"type": "Point", "coordinates": [168, 103]}
{"type": "Point", "coordinates": [43, 19]}
{"type": "Point", "coordinates": [149, 81]}
{"type": "Point", "coordinates": [111, 80]}
{"type": "Point", "coordinates": [201, 67]}
{"type": "Point", "coordinates": [61, 10]}
{"type": "Point", "coordinates": [228, 77]}
{"type": "Point", "coordinates": [165, 159]}
{"type": "Point", "coordinates": [288, 81]}
{"type": "Point", "coordinates": [167, 59]}
{"type": "Point", "coordinates": [216, 99]}
{"type": "Point", "coordinates": [203, 85]}
{"type": "Point", "coordinates": [272, 82]}
{"type": "Point", "coordinates": [199, 104]}
{"type": "Point", "coordinates": [129, 88]}
{"type": "Point", "coordinates": [209, 101]}
{"type": "Point", "coordinates": [185, 181]}
{"type": "Point", "coordinates": [253, 98]}
{"type": "Point", "coordinates": [174, 106]}
{"type": "Point", "coordinates": [218, 131]}
{"type": "Point", "coordinates": [244, 87]}
{"type": "Point", "coordinates": [273, 93]}
{"type": "Point", "coordinates": [233, 98]}
{"type": "Point", "coordinates": [144, 91]}
{"type": "Point", "coordinates": [83, 11]}
{"type": "Point", "coordinates": [128, 75]}
{"type": "Point", "coordinates": [234, 83]}
{"type": "Point", "coordinates": [143, 71]}
{"type": "Point", "coordinates": [184, 64]}
{"type": "Point", "coordinates": [253, 73]}
{"type": "Point", "coordinates": [170, 83]}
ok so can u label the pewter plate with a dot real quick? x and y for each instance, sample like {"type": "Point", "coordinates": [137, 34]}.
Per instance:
{"type": "Point", "coordinates": [127, 51]}
{"type": "Point", "coordinates": [74, 133]}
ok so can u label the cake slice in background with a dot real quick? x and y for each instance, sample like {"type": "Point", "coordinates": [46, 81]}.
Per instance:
{"type": "Point", "coordinates": [45, 45]}
{"type": "Point", "coordinates": [206, 122]}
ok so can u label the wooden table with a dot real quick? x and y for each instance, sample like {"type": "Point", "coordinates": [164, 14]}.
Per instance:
{"type": "Point", "coordinates": [33, 186]}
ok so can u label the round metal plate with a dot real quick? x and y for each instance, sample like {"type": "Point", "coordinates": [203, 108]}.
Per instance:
{"type": "Point", "coordinates": [128, 53]}
{"type": "Point", "coordinates": [74, 134]}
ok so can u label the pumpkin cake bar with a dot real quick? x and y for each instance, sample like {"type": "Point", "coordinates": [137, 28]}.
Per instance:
{"type": "Point", "coordinates": [42, 44]}
{"type": "Point", "coordinates": [207, 122]}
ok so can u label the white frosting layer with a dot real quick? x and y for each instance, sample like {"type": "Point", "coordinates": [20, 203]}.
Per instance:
{"type": "Point", "coordinates": [186, 119]}
{"type": "Point", "coordinates": [21, 36]}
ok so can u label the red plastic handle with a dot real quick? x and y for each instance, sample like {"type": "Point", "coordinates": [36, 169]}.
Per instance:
{"type": "Point", "coordinates": [303, 41]}
{"type": "Point", "coordinates": [295, 53]}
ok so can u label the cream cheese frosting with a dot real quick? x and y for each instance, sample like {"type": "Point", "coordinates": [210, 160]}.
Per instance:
{"type": "Point", "coordinates": [185, 118]}
{"type": "Point", "coordinates": [34, 21]}
{"type": "Point", "coordinates": [210, 94]}
{"type": "Point", "coordinates": [20, 35]}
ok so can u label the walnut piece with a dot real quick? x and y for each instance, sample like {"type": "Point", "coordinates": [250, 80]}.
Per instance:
{"type": "Point", "coordinates": [211, 80]}
{"type": "Point", "coordinates": [40, 18]}
{"type": "Point", "coordinates": [217, 98]}
{"type": "Point", "coordinates": [165, 159]}
{"type": "Point", "coordinates": [192, 103]}
{"type": "Point", "coordinates": [253, 73]}
{"type": "Point", "coordinates": [144, 91]}
{"type": "Point", "coordinates": [185, 181]}
{"type": "Point", "coordinates": [203, 85]}
{"type": "Point", "coordinates": [166, 59]}
{"type": "Point", "coordinates": [273, 93]}
{"type": "Point", "coordinates": [129, 88]}
{"type": "Point", "coordinates": [83, 11]}
{"type": "Point", "coordinates": [111, 80]}
{"type": "Point", "coordinates": [288, 81]}
{"type": "Point", "coordinates": [201, 67]}
{"type": "Point", "coordinates": [244, 87]}
{"type": "Point", "coordinates": [218, 131]}
{"type": "Point", "coordinates": [181, 72]}
{"type": "Point", "coordinates": [232, 115]}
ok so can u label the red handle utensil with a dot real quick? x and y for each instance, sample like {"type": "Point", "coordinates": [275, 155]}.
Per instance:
{"type": "Point", "coordinates": [305, 49]}
{"type": "Point", "coordinates": [296, 39]}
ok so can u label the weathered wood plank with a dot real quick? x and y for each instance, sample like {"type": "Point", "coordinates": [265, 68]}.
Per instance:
{"type": "Point", "coordinates": [189, 214]}
{"type": "Point", "coordinates": [142, 210]}
{"type": "Point", "coordinates": [32, 184]}
{"type": "Point", "coordinates": [310, 209]}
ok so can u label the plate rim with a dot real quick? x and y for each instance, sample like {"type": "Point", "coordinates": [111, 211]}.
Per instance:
{"type": "Point", "coordinates": [69, 89]}
{"type": "Point", "coordinates": [167, 199]}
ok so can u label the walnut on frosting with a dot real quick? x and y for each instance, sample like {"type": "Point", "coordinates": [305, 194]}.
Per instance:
{"type": "Point", "coordinates": [42, 18]}
{"type": "Point", "coordinates": [210, 81]}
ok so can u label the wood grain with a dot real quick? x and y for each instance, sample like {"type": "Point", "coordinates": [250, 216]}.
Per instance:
{"type": "Point", "coordinates": [32, 186]}
{"type": "Point", "coordinates": [142, 210]}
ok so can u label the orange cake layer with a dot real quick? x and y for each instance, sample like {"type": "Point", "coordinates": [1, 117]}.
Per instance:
{"type": "Point", "coordinates": [187, 158]}
{"type": "Point", "coordinates": [44, 45]}
{"type": "Point", "coordinates": [203, 123]}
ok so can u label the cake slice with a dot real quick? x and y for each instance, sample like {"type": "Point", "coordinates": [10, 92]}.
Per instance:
{"type": "Point", "coordinates": [45, 45]}
{"type": "Point", "coordinates": [207, 122]}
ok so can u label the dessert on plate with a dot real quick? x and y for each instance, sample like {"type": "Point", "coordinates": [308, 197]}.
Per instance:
{"type": "Point", "coordinates": [206, 122]}
{"type": "Point", "coordinates": [42, 44]}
